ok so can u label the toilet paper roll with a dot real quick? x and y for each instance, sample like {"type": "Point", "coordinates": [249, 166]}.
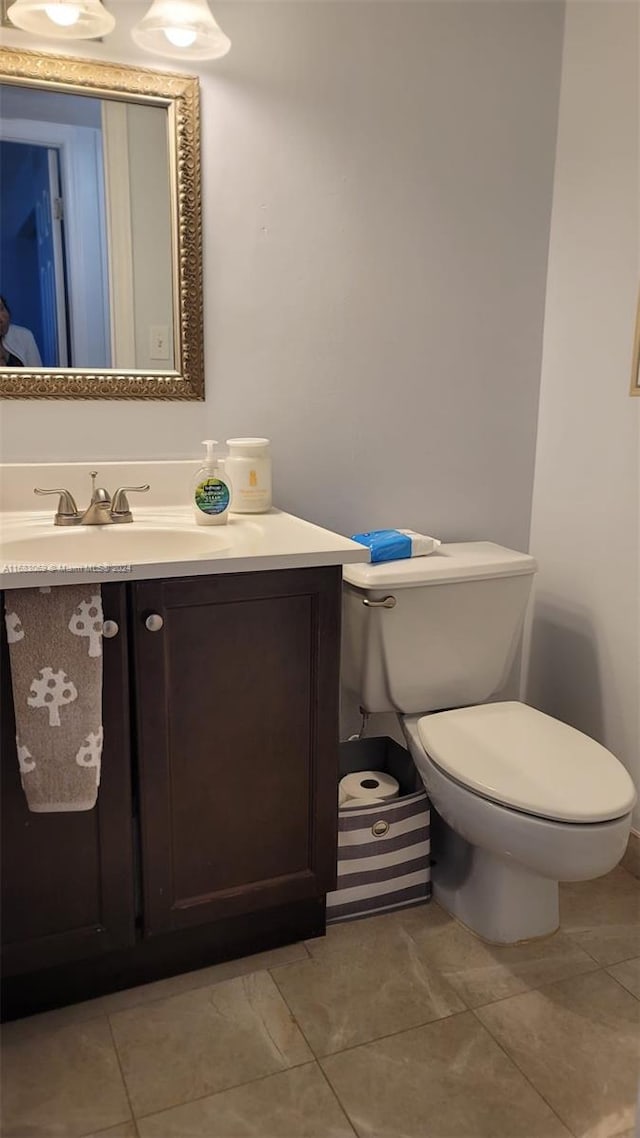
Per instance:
{"type": "Point", "coordinates": [349, 802]}
{"type": "Point", "coordinates": [370, 784]}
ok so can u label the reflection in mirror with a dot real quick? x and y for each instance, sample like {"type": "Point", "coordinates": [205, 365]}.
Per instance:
{"type": "Point", "coordinates": [100, 231]}
{"type": "Point", "coordinates": [85, 230]}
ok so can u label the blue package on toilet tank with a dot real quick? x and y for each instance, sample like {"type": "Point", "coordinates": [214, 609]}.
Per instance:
{"type": "Point", "coordinates": [385, 544]}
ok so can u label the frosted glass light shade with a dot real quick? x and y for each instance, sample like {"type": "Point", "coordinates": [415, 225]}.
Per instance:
{"type": "Point", "coordinates": [64, 15]}
{"type": "Point", "coordinates": [182, 29]}
{"type": "Point", "coordinates": [64, 19]}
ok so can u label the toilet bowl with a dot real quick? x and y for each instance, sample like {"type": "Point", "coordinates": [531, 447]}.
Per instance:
{"type": "Point", "coordinates": [521, 800]}
{"type": "Point", "coordinates": [498, 863]}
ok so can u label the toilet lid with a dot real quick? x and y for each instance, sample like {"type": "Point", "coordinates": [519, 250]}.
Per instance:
{"type": "Point", "coordinates": [460, 561]}
{"type": "Point", "coordinates": [519, 757]}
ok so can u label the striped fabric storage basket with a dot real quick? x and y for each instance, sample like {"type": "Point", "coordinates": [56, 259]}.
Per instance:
{"type": "Point", "coordinates": [383, 849]}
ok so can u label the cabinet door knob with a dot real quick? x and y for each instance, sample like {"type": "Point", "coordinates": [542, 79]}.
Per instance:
{"type": "Point", "coordinates": [110, 629]}
{"type": "Point", "coordinates": [154, 622]}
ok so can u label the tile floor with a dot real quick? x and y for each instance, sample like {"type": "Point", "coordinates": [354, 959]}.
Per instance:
{"type": "Point", "coordinates": [400, 1026]}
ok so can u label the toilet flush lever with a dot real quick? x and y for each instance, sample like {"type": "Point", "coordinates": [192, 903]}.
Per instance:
{"type": "Point", "coordinates": [386, 603]}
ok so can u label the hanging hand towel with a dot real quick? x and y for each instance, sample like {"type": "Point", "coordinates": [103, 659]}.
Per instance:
{"type": "Point", "coordinates": [55, 652]}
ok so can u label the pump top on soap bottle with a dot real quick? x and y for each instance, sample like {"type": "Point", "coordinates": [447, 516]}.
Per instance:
{"type": "Point", "coordinates": [211, 491]}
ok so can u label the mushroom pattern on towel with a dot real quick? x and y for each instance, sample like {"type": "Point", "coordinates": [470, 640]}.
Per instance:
{"type": "Point", "coordinates": [26, 760]}
{"type": "Point", "coordinates": [15, 631]}
{"type": "Point", "coordinates": [90, 752]}
{"type": "Point", "coordinates": [53, 691]}
{"type": "Point", "coordinates": [56, 658]}
{"type": "Point", "coordinates": [87, 621]}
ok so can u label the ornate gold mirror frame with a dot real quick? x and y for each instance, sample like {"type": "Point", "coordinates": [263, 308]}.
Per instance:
{"type": "Point", "coordinates": [635, 365]}
{"type": "Point", "coordinates": [180, 95]}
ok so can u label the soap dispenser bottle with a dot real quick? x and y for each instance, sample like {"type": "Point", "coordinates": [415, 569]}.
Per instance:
{"type": "Point", "coordinates": [211, 492]}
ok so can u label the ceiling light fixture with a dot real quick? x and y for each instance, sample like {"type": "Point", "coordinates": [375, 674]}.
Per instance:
{"type": "Point", "coordinates": [181, 29]}
{"type": "Point", "coordinates": [64, 19]}
{"type": "Point", "coordinates": [64, 15]}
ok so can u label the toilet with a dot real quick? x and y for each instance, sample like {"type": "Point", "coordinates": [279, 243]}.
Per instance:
{"type": "Point", "coordinates": [521, 801]}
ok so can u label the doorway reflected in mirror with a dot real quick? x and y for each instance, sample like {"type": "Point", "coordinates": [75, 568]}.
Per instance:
{"type": "Point", "coordinates": [100, 229]}
{"type": "Point", "coordinates": [86, 229]}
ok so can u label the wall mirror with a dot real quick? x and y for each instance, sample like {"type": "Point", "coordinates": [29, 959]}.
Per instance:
{"type": "Point", "coordinates": [100, 231]}
{"type": "Point", "coordinates": [635, 365]}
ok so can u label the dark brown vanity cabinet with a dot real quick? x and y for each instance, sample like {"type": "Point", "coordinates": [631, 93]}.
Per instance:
{"type": "Point", "coordinates": [215, 829]}
{"type": "Point", "coordinates": [237, 736]}
{"type": "Point", "coordinates": [67, 879]}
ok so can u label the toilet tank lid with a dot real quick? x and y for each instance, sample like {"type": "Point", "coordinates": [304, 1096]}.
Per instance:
{"type": "Point", "coordinates": [519, 757]}
{"type": "Point", "coordinates": [459, 561]}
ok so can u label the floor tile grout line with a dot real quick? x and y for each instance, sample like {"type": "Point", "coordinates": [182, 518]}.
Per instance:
{"type": "Point", "coordinates": [223, 1090]}
{"type": "Point", "coordinates": [619, 982]}
{"type": "Point", "coordinates": [550, 984]}
{"type": "Point", "coordinates": [338, 1100]}
{"type": "Point", "coordinates": [446, 980]}
{"type": "Point", "coordinates": [442, 1019]}
{"type": "Point", "coordinates": [76, 1021]}
{"type": "Point", "coordinates": [64, 1022]}
{"type": "Point", "coordinates": [364, 1042]}
{"type": "Point", "coordinates": [539, 987]}
{"type": "Point", "coordinates": [172, 995]}
{"type": "Point", "coordinates": [392, 1034]}
{"type": "Point", "coordinates": [467, 1007]}
{"type": "Point", "coordinates": [582, 948]}
{"type": "Point", "coordinates": [610, 964]}
{"type": "Point", "coordinates": [122, 1074]}
{"type": "Point", "coordinates": [517, 1066]}
{"type": "Point", "coordinates": [292, 1013]}
{"type": "Point", "coordinates": [231, 1087]}
{"type": "Point", "coordinates": [625, 959]}
{"type": "Point", "coordinates": [245, 1082]}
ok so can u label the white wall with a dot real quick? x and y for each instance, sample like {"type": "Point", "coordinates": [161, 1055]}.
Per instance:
{"type": "Point", "coordinates": [377, 193]}
{"type": "Point", "coordinates": [585, 527]}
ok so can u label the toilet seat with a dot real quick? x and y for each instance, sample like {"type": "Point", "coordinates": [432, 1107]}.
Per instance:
{"type": "Point", "coordinates": [521, 758]}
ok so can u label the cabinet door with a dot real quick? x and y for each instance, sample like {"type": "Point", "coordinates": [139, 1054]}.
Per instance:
{"type": "Point", "coordinates": [67, 879]}
{"type": "Point", "coordinates": [237, 703]}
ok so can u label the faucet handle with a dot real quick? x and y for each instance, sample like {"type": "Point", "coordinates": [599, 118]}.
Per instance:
{"type": "Point", "coordinates": [67, 512]}
{"type": "Point", "coordinates": [120, 503]}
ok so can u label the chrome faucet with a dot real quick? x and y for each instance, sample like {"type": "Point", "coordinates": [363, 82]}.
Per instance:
{"type": "Point", "coordinates": [103, 510]}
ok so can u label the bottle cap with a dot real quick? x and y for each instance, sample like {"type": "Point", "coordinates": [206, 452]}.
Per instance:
{"type": "Point", "coordinates": [248, 444]}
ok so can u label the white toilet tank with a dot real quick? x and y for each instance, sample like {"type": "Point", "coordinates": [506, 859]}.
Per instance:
{"type": "Point", "coordinates": [450, 637]}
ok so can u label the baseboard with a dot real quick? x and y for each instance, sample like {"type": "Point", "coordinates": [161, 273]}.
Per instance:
{"type": "Point", "coordinates": [631, 859]}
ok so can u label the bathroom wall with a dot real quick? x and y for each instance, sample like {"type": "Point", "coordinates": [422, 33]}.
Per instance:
{"type": "Point", "coordinates": [585, 636]}
{"type": "Point", "coordinates": [377, 194]}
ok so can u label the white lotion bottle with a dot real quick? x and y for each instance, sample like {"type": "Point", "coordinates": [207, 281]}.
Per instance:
{"type": "Point", "coordinates": [248, 468]}
{"type": "Point", "coordinates": [211, 494]}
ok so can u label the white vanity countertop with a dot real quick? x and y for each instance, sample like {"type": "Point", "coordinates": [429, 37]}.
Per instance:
{"type": "Point", "coordinates": [162, 541]}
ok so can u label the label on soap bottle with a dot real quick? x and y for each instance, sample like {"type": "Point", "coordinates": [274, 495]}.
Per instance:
{"type": "Point", "coordinates": [212, 496]}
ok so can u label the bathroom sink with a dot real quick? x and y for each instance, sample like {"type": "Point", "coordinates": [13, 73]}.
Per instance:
{"type": "Point", "coordinates": [162, 542]}
{"type": "Point", "coordinates": [93, 546]}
